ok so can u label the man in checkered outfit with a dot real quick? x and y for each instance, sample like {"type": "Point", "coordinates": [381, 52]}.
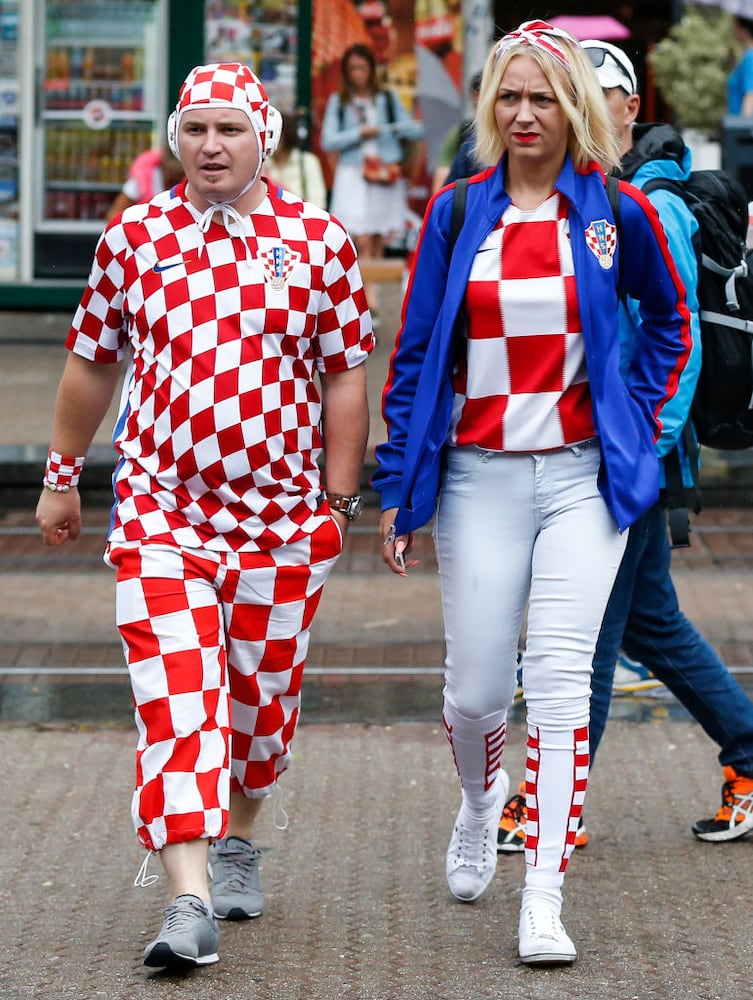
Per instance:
{"type": "Point", "coordinates": [226, 296]}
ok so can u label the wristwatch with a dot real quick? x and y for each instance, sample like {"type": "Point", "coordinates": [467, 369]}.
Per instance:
{"type": "Point", "coordinates": [351, 507]}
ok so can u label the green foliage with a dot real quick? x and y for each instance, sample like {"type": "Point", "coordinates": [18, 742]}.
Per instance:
{"type": "Point", "coordinates": [691, 66]}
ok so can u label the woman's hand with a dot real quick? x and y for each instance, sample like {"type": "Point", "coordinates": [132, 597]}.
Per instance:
{"type": "Point", "coordinates": [395, 547]}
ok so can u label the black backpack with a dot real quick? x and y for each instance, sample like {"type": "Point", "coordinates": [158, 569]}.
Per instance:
{"type": "Point", "coordinates": [722, 408]}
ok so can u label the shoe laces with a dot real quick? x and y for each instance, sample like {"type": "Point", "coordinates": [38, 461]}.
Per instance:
{"type": "Point", "coordinates": [183, 913]}
{"type": "Point", "coordinates": [142, 880]}
{"type": "Point", "coordinates": [544, 923]}
{"type": "Point", "coordinates": [473, 850]}
{"type": "Point", "coordinates": [239, 865]}
{"type": "Point", "coordinates": [514, 813]}
{"type": "Point", "coordinates": [737, 799]}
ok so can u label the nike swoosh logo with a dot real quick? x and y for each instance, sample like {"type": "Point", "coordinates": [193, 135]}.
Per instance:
{"type": "Point", "coordinates": [166, 267]}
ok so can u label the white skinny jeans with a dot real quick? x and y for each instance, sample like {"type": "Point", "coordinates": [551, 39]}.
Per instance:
{"type": "Point", "coordinates": [513, 529]}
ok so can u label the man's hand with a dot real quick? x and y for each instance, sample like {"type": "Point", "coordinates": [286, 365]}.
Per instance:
{"type": "Point", "coordinates": [59, 516]}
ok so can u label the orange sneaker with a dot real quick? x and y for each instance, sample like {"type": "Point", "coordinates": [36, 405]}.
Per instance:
{"type": "Point", "coordinates": [511, 835]}
{"type": "Point", "coordinates": [581, 834]}
{"type": "Point", "coordinates": [735, 816]}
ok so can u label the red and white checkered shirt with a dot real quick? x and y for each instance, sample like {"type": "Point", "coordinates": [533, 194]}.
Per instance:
{"type": "Point", "coordinates": [523, 385]}
{"type": "Point", "coordinates": [219, 425]}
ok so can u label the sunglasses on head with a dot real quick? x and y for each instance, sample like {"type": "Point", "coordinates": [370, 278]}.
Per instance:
{"type": "Point", "coordinates": [599, 56]}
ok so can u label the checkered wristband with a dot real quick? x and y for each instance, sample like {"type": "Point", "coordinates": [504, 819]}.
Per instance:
{"type": "Point", "coordinates": [62, 472]}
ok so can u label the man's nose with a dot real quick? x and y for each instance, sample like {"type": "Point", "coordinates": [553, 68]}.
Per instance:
{"type": "Point", "coordinates": [211, 139]}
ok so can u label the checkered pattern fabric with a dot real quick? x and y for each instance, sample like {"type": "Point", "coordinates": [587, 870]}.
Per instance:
{"type": "Point", "coordinates": [523, 385]}
{"type": "Point", "coordinates": [219, 427]}
{"type": "Point", "coordinates": [224, 85]}
{"type": "Point", "coordinates": [63, 470]}
{"type": "Point", "coordinates": [215, 645]}
{"type": "Point", "coordinates": [571, 763]}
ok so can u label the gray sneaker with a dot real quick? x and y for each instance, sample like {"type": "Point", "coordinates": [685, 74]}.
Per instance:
{"type": "Point", "coordinates": [234, 864]}
{"type": "Point", "coordinates": [188, 937]}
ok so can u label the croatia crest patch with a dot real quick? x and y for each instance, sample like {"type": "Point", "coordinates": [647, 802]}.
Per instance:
{"type": "Point", "coordinates": [601, 240]}
{"type": "Point", "coordinates": [278, 264]}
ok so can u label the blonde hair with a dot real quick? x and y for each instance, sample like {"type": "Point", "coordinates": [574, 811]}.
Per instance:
{"type": "Point", "coordinates": [576, 87]}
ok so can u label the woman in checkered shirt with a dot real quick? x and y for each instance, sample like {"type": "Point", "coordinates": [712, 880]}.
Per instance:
{"type": "Point", "coordinates": [516, 429]}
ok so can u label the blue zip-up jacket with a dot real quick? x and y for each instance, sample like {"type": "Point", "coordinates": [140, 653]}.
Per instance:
{"type": "Point", "coordinates": [418, 395]}
{"type": "Point", "coordinates": [658, 151]}
{"type": "Point", "coordinates": [341, 131]}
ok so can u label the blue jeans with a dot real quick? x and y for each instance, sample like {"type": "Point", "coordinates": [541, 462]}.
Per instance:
{"type": "Point", "coordinates": [644, 618]}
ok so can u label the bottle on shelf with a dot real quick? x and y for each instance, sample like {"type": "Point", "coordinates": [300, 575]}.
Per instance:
{"type": "Point", "coordinates": [88, 65]}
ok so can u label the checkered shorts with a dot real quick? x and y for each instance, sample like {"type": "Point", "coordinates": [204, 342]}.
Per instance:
{"type": "Point", "coordinates": [215, 644]}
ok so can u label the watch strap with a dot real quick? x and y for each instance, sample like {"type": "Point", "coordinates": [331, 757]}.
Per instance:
{"type": "Point", "coordinates": [350, 506]}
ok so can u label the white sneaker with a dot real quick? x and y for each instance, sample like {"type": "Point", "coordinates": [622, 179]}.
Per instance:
{"type": "Point", "coordinates": [472, 854]}
{"type": "Point", "coordinates": [542, 940]}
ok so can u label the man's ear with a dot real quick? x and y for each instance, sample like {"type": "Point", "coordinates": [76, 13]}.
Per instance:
{"type": "Point", "coordinates": [632, 107]}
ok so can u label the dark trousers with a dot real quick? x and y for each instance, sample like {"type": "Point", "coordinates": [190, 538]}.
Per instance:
{"type": "Point", "coordinates": [644, 618]}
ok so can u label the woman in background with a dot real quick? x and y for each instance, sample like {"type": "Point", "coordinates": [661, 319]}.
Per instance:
{"type": "Point", "coordinates": [363, 120]}
{"type": "Point", "coordinates": [297, 170]}
{"type": "Point", "coordinates": [152, 171]}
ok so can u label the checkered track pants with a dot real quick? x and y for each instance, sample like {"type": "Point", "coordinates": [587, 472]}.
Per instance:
{"type": "Point", "coordinates": [215, 644]}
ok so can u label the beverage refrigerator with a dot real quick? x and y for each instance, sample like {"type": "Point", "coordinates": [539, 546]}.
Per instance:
{"type": "Point", "coordinates": [96, 100]}
{"type": "Point", "coordinates": [9, 139]}
{"type": "Point", "coordinates": [86, 85]}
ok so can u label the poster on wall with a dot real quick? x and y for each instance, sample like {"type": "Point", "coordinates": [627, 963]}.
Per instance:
{"type": "Point", "coordinates": [418, 45]}
{"type": "Point", "coordinates": [264, 35]}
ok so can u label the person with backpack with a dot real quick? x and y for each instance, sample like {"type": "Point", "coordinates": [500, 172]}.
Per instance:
{"type": "Point", "coordinates": [509, 420]}
{"type": "Point", "coordinates": [643, 615]}
{"type": "Point", "coordinates": [740, 80]}
{"type": "Point", "coordinates": [366, 124]}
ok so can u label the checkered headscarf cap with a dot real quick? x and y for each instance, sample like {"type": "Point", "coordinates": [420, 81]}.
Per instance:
{"type": "Point", "coordinates": [222, 85]}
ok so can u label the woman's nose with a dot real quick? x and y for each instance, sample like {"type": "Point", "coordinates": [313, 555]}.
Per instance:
{"type": "Point", "coordinates": [525, 110]}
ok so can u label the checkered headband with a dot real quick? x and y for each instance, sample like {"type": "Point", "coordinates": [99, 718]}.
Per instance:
{"type": "Point", "coordinates": [541, 35]}
{"type": "Point", "coordinates": [222, 85]}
